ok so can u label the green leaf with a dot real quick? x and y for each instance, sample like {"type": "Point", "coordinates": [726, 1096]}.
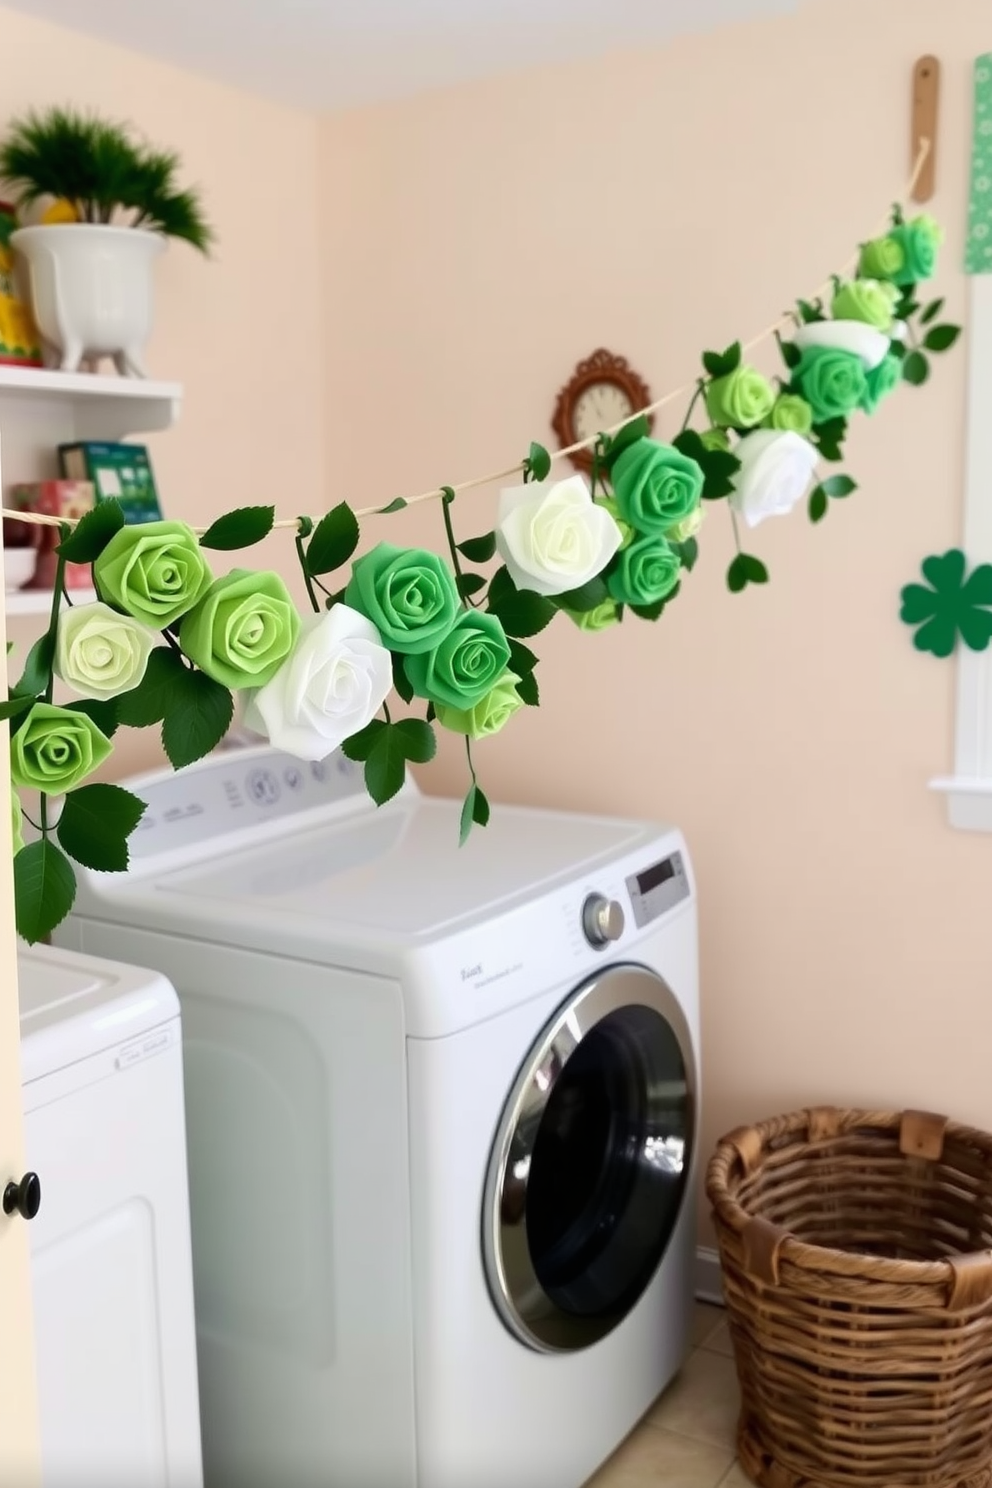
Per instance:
{"type": "Point", "coordinates": [44, 889]}
{"type": "Point", "coordinates": [810, 312]}
{"type": "Point", "coordinates": [14, 706]}
{"type": "Point", "coordinates": [737, 575]}
{"type": "Point", "coordinates": [838, 485]}
{"type": "Point", "coordinates": [719, 467]}
{"type": "Point", "coordinates": [431, 713]}
{"type": "Point", "coordinates": [931, 312]}
{"type": "Point", "coordinates": [830, 451]}
{"type": "Point", "coordinates": [916, 368]}
{"type": "Point", "coordinates": [522, 659]}
{"type": "Point", "coordinates": [104, 713]}
{"type": "Point", "coordinates": [401, 681]}
{"type": "Point", "coordinates": [92, 533]}
{"type": "Point", "coordinates": [37, 668]}
{"type": "Point", "coordinates": [638, 428]}
{"type": "Point", "coordinates": [394, 506]}
{"type": "Point", "coordinates": [688, 552]}
{"type": "Point", "coordinates": [239, 529]}
{"type": "Point", "coordinates": [818, 504]}
{"type": "Point", "coordinates": [416, 738]}
{"type": "Point", "coordinates": [475, 811]}
{"type": "Point", "coordinates": [501, 586]}
{"type": "Point", "coordinates": [95, 824]}
{"type": "Point", "coordinates": [334, 539]}
{"type": "Point", "coordinates": [721, 364]}
{"type": "Point", "coordinates": [529, 691]}
{"type": "Point", "coordinates": [523, 613]}
{"type": "Point", "coordinates": [469, 583]}
{"type": "Point", "coordinates": [479, 549]}
{"type": "Point", "coordinates": [791, 355]}
{"type": "Point", "coordinates": [360, 745]}
{"type": "Point", "coordinates": [941, 337]}
{"type": "Point", "coordinates": [587, 597]}
{"type": "Point", "coordinates": [539, 462]}
{"type": "Point", "coordinates": [198, 716]}
{"type": "Point", "coordinates": [833, 429]}
{"type": "Point", "coordinates": [756, 571]}
{"type": "Point", "coordinates": [652, 611]}
{"type": "Point", "coordinates": [385, 767]}
{"type": "Point", "coordinates": [149, 702]}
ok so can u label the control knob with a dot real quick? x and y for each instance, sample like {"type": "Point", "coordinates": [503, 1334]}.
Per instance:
{"type": "Point", "coordinates": [602, 920]}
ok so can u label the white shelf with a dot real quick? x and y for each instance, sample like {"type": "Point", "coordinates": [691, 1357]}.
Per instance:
{"type": "Point", "coordinates": [38, 602]}
{"type": "Point", "coordinates": [109, 406]}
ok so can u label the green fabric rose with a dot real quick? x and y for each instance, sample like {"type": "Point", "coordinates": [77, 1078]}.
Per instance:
{"type": "Point", "coordinates": [740, 400]}
{"type": "Point", "coordinates": [464, 666]}
{"type": "Point", "coordinates": [655, 485]}
{"type": "Point", "coordinates": [791, 414]}
{"type": "Point", "coordinates": [881, 381]}
{"type": "Point", "coordinates": [627, 533]}
{"type": "Point", "coordinates": [55, 750]}
{"type": "Point", "coordinates": [154, 571]}
{"type": "Point", "coordinates": [408, 594]}
{"type": "Point", "coordinates": [647, 571]}
{"type": "Point", "coordinates": [715, 439]}
{"type": "Point", "coordinates": [919, 241]}
{"type": "Point", "coordinates": [100, 653]}
{"type": "Point", "coordinates": [833, 382]}
{"type": "Point", "coordinates": [882, 258]}
{"type": "Point", "coordinates": [243, 629]}
{"type": "Point", "coordinates": [16, 821]}
{"type": "Point", "coordinates": [489, 714]}
{"type": "Point", "coordinates": [868, 300]}
{"type": "Point", "coordinates": [601, 618]}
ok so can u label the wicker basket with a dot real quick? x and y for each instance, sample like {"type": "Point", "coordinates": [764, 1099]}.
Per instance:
{"type": "Point", "coordinates": [857, 1273]}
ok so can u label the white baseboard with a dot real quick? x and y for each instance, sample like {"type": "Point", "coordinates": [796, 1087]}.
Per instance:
{"type": "Point", "coordinates": [709, 1287]}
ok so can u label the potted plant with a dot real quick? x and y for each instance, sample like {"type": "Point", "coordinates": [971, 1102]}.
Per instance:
{"type": "Point", "coordinates": [112, 202]}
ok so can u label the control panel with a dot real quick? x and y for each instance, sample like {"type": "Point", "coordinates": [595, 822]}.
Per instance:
{"type": "Point", "coordinates": [234, 790]}
{"type": "Point", "coordinates": [657, 888]}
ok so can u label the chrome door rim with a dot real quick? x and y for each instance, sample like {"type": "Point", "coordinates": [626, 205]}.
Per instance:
{"type": "Point", "coordinates": [524, 1307]}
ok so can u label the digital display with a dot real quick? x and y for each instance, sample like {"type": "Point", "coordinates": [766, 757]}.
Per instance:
{"type": "Point", "coordinates": [658, 873]}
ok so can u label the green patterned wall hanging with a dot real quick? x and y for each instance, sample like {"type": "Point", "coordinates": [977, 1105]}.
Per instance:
{"type": "Point", "coordinates": [978, 254]}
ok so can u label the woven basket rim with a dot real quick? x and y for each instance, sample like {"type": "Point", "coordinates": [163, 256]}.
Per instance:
{"type": "Point", "coordinates": [802, 1253]}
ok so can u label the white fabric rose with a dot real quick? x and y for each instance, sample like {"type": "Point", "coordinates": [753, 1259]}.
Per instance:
{"type": "Point", "coordinates": [776, 468]}
{"type": "Point", "coordinates": [863, 340]}
{"type": "Point", "coordinates": [100, 653]}
{"type": "Point", "coordinates": [332, 685]}
{"type": "Point", "coordinates": [554, 538]}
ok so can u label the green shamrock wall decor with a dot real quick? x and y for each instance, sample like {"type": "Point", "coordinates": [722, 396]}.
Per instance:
{"type": "Point", "coordinates": [949, 605]}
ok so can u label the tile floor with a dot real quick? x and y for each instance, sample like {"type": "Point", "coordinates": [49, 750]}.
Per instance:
{"type": "Point", "coordinates": [687, 1438]}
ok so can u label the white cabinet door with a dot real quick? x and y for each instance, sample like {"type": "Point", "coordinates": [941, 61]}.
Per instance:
{"type": "Point", "coordinates": [19, 1456]}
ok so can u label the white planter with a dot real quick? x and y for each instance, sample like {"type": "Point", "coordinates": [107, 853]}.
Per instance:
{"type": "Point", "coordinates": [91, 290]}
{"type": "Point", "coordinates": [18, 567]}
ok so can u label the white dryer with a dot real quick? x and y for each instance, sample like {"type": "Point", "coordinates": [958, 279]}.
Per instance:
{"type": "Point", "coordinates": [112, 1278]}
{"type": "Point", "coordinates": [442, 1112]}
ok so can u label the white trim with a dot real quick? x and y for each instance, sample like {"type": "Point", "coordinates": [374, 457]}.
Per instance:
{"type": "Point", "coordinates": [709, 1286]}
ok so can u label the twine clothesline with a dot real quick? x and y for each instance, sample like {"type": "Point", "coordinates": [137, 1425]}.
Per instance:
{"type": "Point", "coordinates": [437, 492]}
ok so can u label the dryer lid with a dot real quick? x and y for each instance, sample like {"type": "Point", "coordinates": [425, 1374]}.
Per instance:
{"type": "Point", "coordinates": [73, 1006]}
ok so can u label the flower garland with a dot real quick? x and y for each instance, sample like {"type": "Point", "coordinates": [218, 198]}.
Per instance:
{"type": "Point", "coordinates": [167, 644]}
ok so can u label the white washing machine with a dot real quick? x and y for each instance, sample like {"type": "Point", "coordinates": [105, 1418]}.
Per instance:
{"type": "Point", "coordinates": [442, 1114]}
{"type": "Point", "coordinates": [111, 1272]}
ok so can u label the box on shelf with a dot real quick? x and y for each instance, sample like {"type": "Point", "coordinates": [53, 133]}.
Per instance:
{"type": "Point", "coordinates": [20, 344]}
{"type": "Point", "coordinates": [69, 499]}
{"type": "Point", "coordinates": [120, 471]}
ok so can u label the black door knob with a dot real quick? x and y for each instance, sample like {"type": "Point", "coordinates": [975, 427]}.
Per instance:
{"type": "Point", "coordinates": [24, 1197]}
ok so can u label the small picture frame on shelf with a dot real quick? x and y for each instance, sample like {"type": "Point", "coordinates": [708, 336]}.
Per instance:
{"type": "Point", "coordinates": [20, 343]}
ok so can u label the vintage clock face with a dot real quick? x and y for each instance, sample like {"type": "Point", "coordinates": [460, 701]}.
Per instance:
{"type": "Point", "coordinates": [602, 391]}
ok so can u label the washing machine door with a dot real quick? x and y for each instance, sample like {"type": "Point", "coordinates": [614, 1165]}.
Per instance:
{"type": "Point", "coordinates": [588, 1171]}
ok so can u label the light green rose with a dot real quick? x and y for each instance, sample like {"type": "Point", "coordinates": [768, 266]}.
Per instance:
{"type": "Point", "coordinates": [740, 400]}
{"type": "Point", "coordinates": [655, 485]}
{"type": "Point", "coordinates": [99, 652]}
{"type": "Point", "coordinates": [647, 572]}
{"type": "Point", "coordinates": [881, 258]}
{"type": "Point", "coordinates": [627, 533]}
{"type": "Point", "coordinates": [16, 821]}
{"type": "Point", "coordinates": [55, 750]}
{"type": "Point", "coordinates": [243, 629]}
{"type": "Point", "coordinates": [833, 382]}
{"type": "Point", "coordinates": [601, 618]}
{"type": "Point", "coordinates": [154, 571]}
{"type": "Point", "coordinates": [488, 715]}
{"type": "Point", "coordinates": [791, 414]}
{"type": "Point", "coordinates": [688, 527]}
{"type": "Point", "coordinates": [408, 594]}
{"type": "Point", "coordinates": [881, 381]}
{"type": "Point", "coordinates": [919, 241]}
{"type": "Point", "coordinates": [464, 666]}
{"type": "Point", "coordinates": [715, 439]}
{"type": "Point", "coordinates": [870, 300]}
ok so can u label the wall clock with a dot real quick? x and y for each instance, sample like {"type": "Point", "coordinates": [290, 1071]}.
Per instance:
{"type": "Point", "coordinates": [602, 391]}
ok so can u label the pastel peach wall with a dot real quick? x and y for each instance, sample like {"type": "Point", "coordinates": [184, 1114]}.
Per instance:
{"type": "Point", "coordinates": [239, 330]}
{"type": "Point", "coordinates": [476, 243]}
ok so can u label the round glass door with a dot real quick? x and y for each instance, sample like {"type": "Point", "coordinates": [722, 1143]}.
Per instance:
{"type": "Point", "coordinates": [588, 1171]}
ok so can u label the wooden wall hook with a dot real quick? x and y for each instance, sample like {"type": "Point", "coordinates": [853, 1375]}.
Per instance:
{"type": "Point", "coordinates": [926, 97]}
